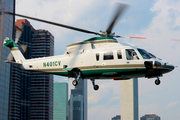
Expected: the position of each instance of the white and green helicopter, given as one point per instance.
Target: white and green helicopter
(96, 58)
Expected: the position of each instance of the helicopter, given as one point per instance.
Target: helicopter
(95, 58)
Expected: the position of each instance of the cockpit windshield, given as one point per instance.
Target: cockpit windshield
(145, 54)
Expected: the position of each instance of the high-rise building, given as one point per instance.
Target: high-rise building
(60, 101)
(117, 117)
(76, 107)
(150, 117)
(31, 93)
(79, 92)
(129, 99)
(6, 30)
(41, 85)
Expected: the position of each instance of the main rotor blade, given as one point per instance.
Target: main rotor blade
(120, 8)
(53, 23)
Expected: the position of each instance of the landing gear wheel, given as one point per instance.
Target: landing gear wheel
(96, 87)
(75, 82)
(157, 82)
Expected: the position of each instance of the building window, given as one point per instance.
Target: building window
(108, 56)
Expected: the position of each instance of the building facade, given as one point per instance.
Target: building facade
(150, 117)
(6, 30)
(81, 92)
(60, 101)
(31, 93)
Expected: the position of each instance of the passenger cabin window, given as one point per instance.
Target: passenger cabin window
(131, 54)
(108, 56)
(119, 55)
(97, 56)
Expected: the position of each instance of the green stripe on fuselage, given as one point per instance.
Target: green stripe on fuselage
(99, 72)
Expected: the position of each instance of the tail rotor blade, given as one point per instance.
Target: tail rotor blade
(5, 40)
(10, 57)
(24, 48)
(18, 35)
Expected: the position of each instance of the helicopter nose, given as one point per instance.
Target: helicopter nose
(169, 67)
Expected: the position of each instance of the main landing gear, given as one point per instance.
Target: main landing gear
(96, 87)
(78, 77)
(157, 81)
(75, 82)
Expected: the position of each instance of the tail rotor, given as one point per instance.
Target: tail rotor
(22, 48)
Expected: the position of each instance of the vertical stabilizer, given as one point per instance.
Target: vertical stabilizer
(18, 56)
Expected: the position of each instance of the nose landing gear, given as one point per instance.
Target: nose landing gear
(96, 87)
(157, 81)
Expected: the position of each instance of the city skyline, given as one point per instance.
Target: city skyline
(154, 19)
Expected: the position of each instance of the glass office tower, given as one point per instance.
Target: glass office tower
(60, 101)
(81, 92)
(76, 107)
(31, 93)
(41, 85)
(6, 30)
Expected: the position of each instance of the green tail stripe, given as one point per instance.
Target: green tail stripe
(10, 43)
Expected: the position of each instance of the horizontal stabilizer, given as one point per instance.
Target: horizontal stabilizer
(14, 63)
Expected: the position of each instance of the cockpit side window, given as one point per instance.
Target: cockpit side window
(97, 56)
(108, 56)
(119, 54)
(131, 54)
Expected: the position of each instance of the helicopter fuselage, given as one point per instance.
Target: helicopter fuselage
(101, 58)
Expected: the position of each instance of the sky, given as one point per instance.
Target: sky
(158, 20)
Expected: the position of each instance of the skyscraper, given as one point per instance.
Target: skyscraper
(79, 94)
(60, 101)
(150, 117)
(76, 107)
(41, 85)
(6, 30)
(31, 95)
